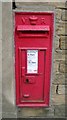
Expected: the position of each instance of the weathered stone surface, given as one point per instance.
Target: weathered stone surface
(60, 110)
(61, 89)
(34, 6)
(63, 42)
(8, 93)
(59, 79)
(59, 54)
(8, 115)
(58, 99)
(53, 4)
(8, 109)
(0, 110)
(63, 66)
(61, 28)
(58, 4)
(0, 75)
(35, 112)
(56, 66)
(56, 42)
(64, 15)
(0, 116)
(58, 14)
(0, 60)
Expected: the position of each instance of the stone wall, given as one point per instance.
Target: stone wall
(58, 82)
(8, 92)
(0, 60)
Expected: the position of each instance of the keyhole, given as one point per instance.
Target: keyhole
(27, 81)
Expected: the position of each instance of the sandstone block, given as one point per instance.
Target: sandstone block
(55, 4)
(58, 99)
(56, 67)
(63, 42)
(60, 111)
(58, 14)
(35, 112)
(61, 28)
(64, 15)
(59, 55)
(56, 42)
(59, 79)
(63, 66)
(61, 89)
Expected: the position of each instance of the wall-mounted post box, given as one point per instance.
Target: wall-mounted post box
(33, 56)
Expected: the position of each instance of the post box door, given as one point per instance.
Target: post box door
(32, 71)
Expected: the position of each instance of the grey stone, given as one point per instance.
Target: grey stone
(38, 2)
(61, 89)
(59, 55)
(58, 14)
(61, 28)
(8, 96)
(0, 60)
(56, 66)
(35, 112)
(63, 42)
(64, 15)
(8, 115)
(60, 111)
(59, 79)
(34, 6)
(0, 116)
(63, 67)
(56, 42)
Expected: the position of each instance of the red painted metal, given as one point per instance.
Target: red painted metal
(32, 28)
(33, 37)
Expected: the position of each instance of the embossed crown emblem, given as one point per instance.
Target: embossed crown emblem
(33, 20)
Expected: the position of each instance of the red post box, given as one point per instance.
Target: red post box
(33, 56)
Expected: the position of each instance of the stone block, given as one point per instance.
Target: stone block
(58, 4)
(61, 28)
(60, 111)
(8, 115)
(0, 116)
(56, 42)
(0, 107)
(8, 93)
(35, 112)
(59, 79)
(63, 42)
(31, 5)
(64, 15)
(0, 71)
(61, 89)
(0, 60)
(58, 14)
(58, 99)
(56, 67)
(37, 2)
(59, 54)
(63, 67)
